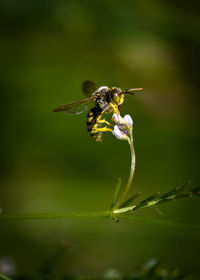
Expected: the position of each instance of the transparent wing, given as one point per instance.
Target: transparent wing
(89, 88)
(75, 108)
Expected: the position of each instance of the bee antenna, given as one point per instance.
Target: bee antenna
(129, 91)
(123, 92)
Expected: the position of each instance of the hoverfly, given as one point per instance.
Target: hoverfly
(106, 100)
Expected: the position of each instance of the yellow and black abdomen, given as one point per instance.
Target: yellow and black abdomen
(93, 117)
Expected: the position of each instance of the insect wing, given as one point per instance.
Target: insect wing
(89, 88)
(75, 108)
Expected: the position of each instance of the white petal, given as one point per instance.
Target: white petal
(128, 119)
(117, 118)
(118, 133)
(114, 116)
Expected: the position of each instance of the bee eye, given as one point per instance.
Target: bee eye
(116, 97)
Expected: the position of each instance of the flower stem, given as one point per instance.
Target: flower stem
(132, 169)
(104, 214)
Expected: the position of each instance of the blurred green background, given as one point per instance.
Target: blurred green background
(49, 163)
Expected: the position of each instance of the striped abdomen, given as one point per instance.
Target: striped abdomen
(92, 123)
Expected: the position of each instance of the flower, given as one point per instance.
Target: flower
(123, 127)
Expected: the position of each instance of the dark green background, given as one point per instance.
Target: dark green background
(49, 163)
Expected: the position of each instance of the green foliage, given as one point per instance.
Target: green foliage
(116, 194)
(3, 277)
(130, 200)
(150, 270)
(123, 211)
(157, 198)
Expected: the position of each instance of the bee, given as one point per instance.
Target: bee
(107, 100)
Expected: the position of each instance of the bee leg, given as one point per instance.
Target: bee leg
(102, 129)
(99, 120)
(104, 121)
(116, 111)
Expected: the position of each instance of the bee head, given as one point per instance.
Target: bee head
(117, 96)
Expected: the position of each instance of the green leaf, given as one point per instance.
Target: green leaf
(172, 194)
(3, 277)
(116, 194)
(191, 193)
(179, 193)
(130, 200)
(149, 201)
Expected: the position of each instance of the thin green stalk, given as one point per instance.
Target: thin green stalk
(132, 169)
(38, 216)
(100, 214)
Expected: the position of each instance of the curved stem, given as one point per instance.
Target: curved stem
(132, 169)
